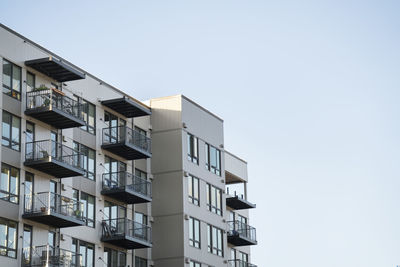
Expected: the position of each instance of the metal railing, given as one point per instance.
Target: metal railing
(240, 263)
(127, 180)
(238, 228)
(48, 99)
(123, 134)
(49, 256)
(46, 202)
(125, 227)
(46, 149)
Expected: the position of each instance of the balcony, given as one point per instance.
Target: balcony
(126, 142)
(53, 209)
(241, 234)
(53, 158)
(238, 202)
(128, 107)
(240, 263)
(55, 69)
(48, 256)
(125, 233)
(54, 108)
(126, 187)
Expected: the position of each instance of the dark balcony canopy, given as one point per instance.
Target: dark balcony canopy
(53, 209)
(126, 187)
(241, 234)
(127, 107)
(237, 203)
(54, 109)
(126, 142)
(53, 158)
(125, 233)
(56, 69)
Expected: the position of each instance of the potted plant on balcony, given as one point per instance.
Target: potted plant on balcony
(78, 213)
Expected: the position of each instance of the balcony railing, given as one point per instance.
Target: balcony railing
(55, 109)
(240, 263)
(48, 256)
(126, 187)
(53, 209)
(126, 233)
(53, 158)
(241, 234)
(126, 142)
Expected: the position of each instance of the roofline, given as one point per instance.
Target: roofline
(189, 100)
(235, 156)
(71, 64)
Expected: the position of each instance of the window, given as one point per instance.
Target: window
(194, 189)
(140, 218)
(215, 238)
(27, 244)
(89, 160)
(114, 258)
(214, 199)
(51, 239)
(112, 165)
(194, 232)
(11, 131)
(140, 262)
(89, 116)
(213, 159)
(194, 264)
(30, 81)
(29, 179)
(113, 211)
(9, 183)
(86, 251)
(141, 174)
(12, 79)
(29, 138)
(140, 131)
(193, 148)
(8, 238)
(87, 208)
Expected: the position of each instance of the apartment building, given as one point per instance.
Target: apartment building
(90, 176)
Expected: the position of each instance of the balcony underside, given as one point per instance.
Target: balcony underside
(238, 240)
(238, 203)
(53, 219)
(55, 117)
(126, 195)
(56, 69)
(127, 151)
(54, 168)
(127, 107)
(126, 242)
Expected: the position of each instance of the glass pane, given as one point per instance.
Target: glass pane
(16, 83)
(6, 125)
(7, 73)
(196, 188)
(30, 81)
(15, 133)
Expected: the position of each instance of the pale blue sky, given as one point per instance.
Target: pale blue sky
(309, 91)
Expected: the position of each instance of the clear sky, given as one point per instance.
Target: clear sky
(309, 91)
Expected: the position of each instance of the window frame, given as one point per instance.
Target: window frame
(10, 87)
(137, 263)
(86, 151)
(191, 190)
(7, 248)
(80, 243)
(215, 244)
(194, 238)
(10, 139)
(209, 150)
(77, 195)
(214, 193)
(193, 148)
(18, 178)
